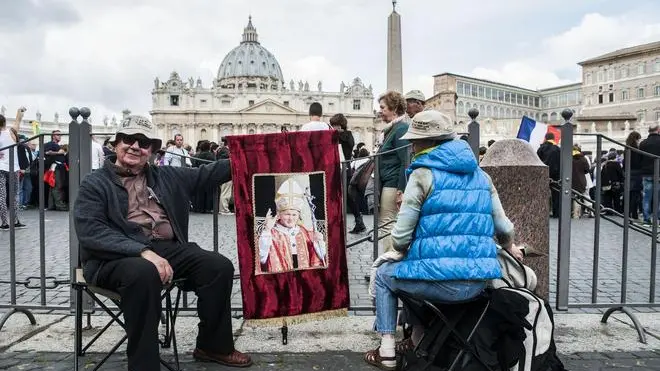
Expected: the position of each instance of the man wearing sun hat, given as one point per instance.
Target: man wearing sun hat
(131, 219)
(416, 102)
(443, 237)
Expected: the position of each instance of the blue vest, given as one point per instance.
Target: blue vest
(454, 235)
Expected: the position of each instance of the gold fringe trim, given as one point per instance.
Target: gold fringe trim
(301, 318)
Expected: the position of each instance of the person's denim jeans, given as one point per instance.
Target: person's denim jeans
(435, 291)
(647, 197)
(25, 191)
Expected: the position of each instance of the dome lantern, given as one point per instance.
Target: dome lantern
(250, 33)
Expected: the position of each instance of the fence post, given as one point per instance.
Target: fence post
(564, 235)
(344, 166)
(79, 165)
(376, 251)
(473, 132)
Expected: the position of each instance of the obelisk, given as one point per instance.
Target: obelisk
(394, 59)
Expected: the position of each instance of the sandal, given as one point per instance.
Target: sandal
(373, 358)
(404, 346)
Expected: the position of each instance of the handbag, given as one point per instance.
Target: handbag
(361, 176)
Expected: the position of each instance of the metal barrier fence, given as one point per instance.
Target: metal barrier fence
(79, 160)
(600, 213)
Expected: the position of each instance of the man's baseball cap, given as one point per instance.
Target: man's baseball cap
(415, 95)
(138, 125)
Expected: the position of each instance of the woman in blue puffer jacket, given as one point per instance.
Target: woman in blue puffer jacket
(443, 242)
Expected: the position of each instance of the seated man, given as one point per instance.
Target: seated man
(132, 223)
(443, 237)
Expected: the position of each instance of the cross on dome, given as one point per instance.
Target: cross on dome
(250, 33)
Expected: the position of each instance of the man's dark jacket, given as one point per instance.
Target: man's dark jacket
(101, 209)
(650, 145)
(550, 154)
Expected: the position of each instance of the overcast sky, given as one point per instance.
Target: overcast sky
(106, 54)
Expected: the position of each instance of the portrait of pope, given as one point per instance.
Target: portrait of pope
(285, 243)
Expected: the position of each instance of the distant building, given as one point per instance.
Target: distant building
(619, 92)
(250, 96)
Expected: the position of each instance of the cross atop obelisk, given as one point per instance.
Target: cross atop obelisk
(394, 55)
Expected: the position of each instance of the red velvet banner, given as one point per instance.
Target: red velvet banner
(291, 250)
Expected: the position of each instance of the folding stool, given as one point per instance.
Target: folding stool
(80, 285)
(442, 339)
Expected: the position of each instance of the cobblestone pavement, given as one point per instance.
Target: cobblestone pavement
(338, 361)
(359, 259)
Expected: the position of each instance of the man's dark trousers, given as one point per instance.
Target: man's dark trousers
(137, 281)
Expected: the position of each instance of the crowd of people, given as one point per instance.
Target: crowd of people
(612, 164)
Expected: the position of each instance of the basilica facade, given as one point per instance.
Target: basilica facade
(250, 96)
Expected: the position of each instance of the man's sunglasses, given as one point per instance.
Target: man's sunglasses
(143, 142)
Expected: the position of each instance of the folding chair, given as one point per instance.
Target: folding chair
(169, 338)
(447, 337)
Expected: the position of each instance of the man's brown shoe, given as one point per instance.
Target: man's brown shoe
(233, 359)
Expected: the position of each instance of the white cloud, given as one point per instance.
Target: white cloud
(521, 73)
(596, 34)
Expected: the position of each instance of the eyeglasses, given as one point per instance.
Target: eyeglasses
(143, 142)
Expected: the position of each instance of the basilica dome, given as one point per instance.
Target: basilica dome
(250, 60)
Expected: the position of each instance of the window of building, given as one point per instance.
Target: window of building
(481, 92)
(489, 93)
(225, 103)
(625, 95)
(286, 103)
(640, 93)
(356, 104)
(459, 88)
(600, 76)
(611, 97)
(174, 100)
(525, 100)
(500, 95)
(600, 98)
(536, 102)
(657, 116)
(656, 66)
(474, 90)
(610, 74)
(461, 108)
(507, 97)
(519, 98)
(553, 116)
(562, 100)
(589, 79)
(656, 90)
(641, 68)
(202, 101)
(624, 72)
(640, 116)
(251, 103)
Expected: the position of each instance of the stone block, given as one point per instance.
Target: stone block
(521, 180)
